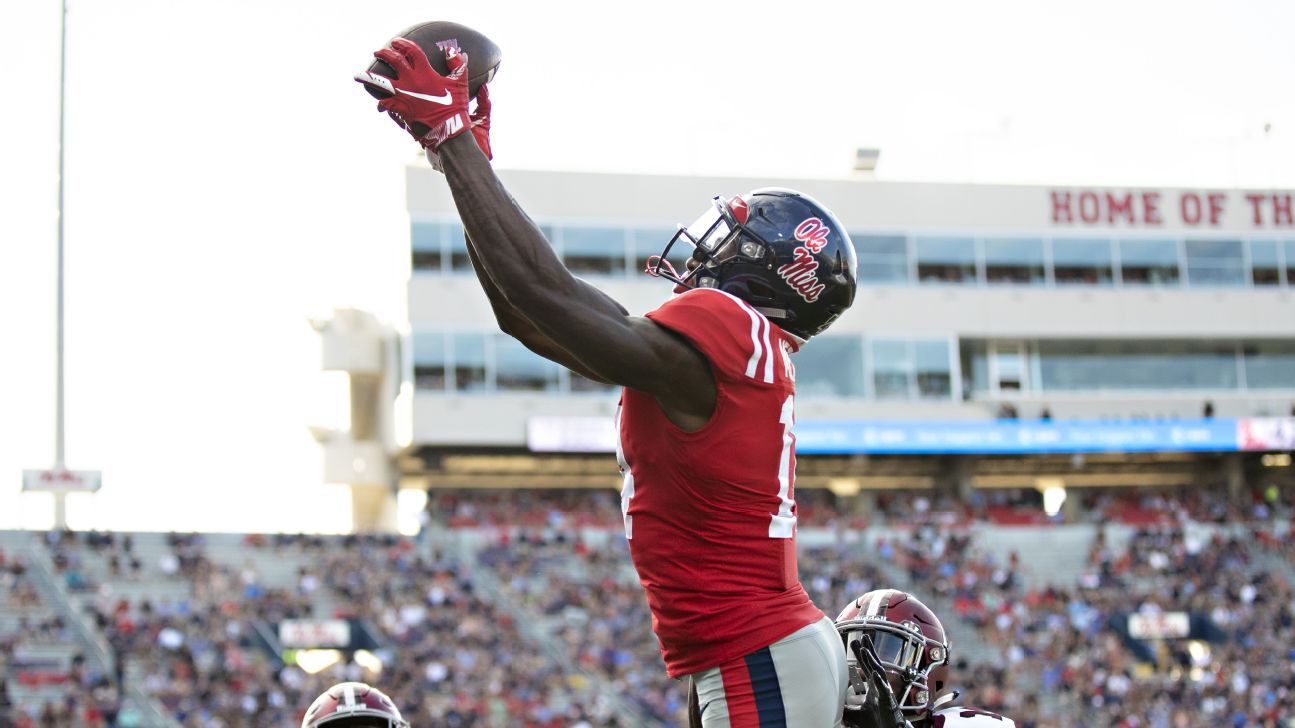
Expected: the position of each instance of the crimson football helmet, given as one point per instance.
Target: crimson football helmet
(778, 250)
(909, 640)
(351, 704)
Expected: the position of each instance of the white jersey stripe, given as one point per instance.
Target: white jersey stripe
(768, 359)
(761, 349)
(756, 350)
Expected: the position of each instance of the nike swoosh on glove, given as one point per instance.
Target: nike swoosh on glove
(479, 124)
(431, 107)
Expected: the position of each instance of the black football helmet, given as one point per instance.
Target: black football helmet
(778, 250)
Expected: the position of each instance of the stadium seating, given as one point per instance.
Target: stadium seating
(523, 609)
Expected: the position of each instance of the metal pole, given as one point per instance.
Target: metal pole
(60, 499)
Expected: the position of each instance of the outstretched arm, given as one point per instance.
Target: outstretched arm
(577, 318)
(593, 330)
(512, 322)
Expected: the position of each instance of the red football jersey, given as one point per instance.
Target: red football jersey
(710, 515)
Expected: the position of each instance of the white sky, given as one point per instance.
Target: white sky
(226, 178)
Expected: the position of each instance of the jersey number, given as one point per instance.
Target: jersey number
(781, 525)
(627, 488)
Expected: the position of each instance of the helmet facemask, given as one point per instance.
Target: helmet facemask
(716, 237)
(779, 251)
(908, 656)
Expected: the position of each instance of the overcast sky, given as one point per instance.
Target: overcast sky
(226, 178)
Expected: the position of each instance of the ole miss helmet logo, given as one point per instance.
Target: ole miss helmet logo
(802, 272)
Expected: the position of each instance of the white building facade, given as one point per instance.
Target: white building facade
(1069, 302)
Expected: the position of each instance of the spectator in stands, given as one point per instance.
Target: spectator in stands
(469, 641)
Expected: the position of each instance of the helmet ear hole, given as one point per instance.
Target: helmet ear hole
(759, 289)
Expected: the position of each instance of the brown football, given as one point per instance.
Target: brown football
(483, 55)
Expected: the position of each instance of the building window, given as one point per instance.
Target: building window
(974, 360)
(429, 361)
(830, 366)
(426, 261)
(1149, 262)
(946, 260)
(469, 362)
(594, 250)
(1215, 263)
(457, 245)
(882, 258)
(1270, 365)
(1288, 253)
(579, 383)
(647, 242)
(934, 373)
(518, 369)
(892, 368)
(1082, 262)
(1014, 260)
(1265, 262)
(1132, 365)
(428, 246)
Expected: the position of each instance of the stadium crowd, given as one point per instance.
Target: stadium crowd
(81, 695)
(586, 598)
(546, 608)
(1064, 650)
(451, 657)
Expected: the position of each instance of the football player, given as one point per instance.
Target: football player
(899, 667)
(351, 705)
(705, 419)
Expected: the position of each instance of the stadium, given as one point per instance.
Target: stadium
(1061, 415)
(1064, 423)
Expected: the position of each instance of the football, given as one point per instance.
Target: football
(433, 38)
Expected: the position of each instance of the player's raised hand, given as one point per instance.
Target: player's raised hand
(879, 708)
(430, 106)
(480, 124)
(480, 119)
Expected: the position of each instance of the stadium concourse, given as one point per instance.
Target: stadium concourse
(520, 608)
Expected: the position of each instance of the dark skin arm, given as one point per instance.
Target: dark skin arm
(588, 326)
(512, 322)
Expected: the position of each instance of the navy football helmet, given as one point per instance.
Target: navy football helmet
(778, 250)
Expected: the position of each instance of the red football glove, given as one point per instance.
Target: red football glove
(480, 126)
(481, 121)
(420, 95)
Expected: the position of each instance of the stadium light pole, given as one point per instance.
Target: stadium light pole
(58, 480)
(60, 498)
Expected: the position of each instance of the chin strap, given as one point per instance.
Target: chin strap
(778, 313)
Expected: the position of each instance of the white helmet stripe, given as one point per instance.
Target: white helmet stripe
(874, 604)
(348, 696)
